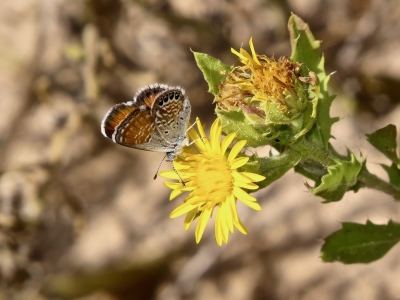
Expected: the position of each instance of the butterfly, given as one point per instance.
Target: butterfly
(156, 120)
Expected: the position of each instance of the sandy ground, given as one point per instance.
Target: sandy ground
(81, 217)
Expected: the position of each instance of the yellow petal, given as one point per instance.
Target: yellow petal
(223, 228)
(236, 149)
(239, 225)
(253, 176)
(226, 236)
(203, 136)
(201, 224)
(189, 218)
(228, 216)
(251, 204)
(239, 177)
(188, 150)
(172, 185)
(253, 52)
(249, 186)
(215, 127)
(247, 57)
(181, 210)
(242, 195)
(217, 229)
(232, 205)
(169, 174)
(174, 194)
(241, 57)
(193, 200)
(179, 164)
(239, 162)
(197, 140)
(215, 135)
(200, 128)
(227, 141)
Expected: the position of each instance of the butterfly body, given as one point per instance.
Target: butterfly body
(156, 120)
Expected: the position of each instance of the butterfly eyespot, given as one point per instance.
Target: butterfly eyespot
(177, 94)
(171, 96)
(160, 102)
(165, 99)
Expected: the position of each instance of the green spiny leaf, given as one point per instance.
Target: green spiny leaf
(311, 170)
(384, 140)
(394, 174)
(214, 71)
(359, 243)
(340, 178)
(306, 49)
(359, 184)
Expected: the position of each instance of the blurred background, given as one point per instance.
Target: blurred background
(82, 218)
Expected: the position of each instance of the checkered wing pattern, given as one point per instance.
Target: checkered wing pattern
(172, 112)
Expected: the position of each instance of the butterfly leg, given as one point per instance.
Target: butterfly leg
(190, 127)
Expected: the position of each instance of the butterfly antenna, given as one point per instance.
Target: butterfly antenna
(159, 166)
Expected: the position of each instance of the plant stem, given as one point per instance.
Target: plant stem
(371, 181)
(309, 151)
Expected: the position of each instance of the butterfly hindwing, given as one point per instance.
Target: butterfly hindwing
(146, 96)
(172, 111)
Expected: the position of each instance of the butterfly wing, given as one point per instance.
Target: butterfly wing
(146, 96)
(172, 113)
(129, 125)
(156, 119)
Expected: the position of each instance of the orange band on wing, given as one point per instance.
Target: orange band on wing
(116, 116)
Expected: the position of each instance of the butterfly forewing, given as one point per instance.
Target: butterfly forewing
(135, 129)
(115, 116)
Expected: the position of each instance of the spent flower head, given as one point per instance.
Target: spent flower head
(214, 182)
(269, 92)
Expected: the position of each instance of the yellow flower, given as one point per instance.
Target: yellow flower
(212, 179)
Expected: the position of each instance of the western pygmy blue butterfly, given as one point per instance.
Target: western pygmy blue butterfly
(156, 120)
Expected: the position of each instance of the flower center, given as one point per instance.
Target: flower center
(213, 180)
